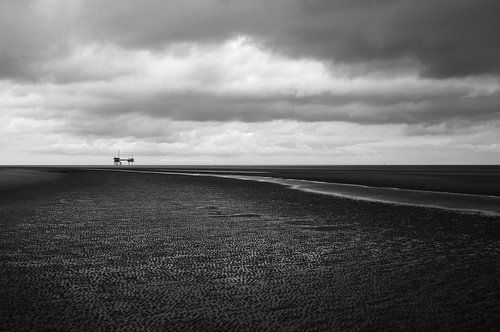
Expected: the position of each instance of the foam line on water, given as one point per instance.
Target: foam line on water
(468, 203)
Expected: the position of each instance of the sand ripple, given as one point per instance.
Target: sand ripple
(186, 253)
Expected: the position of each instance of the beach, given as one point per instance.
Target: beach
(99, 249)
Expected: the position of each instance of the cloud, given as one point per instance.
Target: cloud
(236, 79)
(279, 141)
(450, 38)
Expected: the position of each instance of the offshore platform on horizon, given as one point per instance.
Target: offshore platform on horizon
(118, 161)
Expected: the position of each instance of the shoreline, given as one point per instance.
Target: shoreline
(464, 203)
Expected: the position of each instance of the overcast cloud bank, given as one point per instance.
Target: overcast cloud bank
(250, 81)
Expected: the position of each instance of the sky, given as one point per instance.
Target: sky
(250, 82)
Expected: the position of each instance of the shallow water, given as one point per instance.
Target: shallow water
(486, 204)
(472, 179)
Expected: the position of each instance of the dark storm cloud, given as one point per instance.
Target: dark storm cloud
(450, 38)
(363, 110)
(30, 38)
(141, 117)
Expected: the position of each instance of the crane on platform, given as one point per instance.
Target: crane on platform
(118, 161)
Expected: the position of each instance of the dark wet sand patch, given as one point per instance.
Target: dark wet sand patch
(12, 178)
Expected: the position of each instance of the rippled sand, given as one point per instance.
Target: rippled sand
(142, 251)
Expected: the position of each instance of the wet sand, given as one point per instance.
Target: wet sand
(475, 180)
(16, 177)
(146, 251)
(466, 203)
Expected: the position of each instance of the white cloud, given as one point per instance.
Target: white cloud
(97, 97)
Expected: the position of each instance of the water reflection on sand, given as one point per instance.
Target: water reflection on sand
(445, 200)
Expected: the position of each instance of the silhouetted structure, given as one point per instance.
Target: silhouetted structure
(118, 161)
